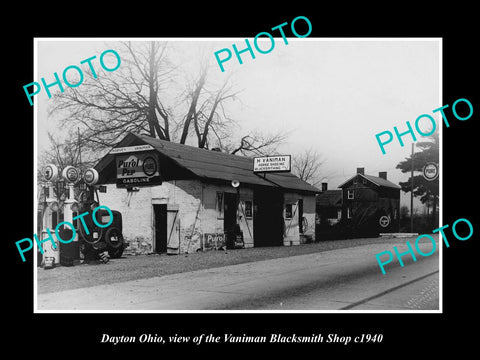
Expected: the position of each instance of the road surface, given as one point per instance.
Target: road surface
(344, 279)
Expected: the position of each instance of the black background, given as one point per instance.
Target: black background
(65, 335)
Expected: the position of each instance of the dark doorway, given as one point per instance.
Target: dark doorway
(160, 216)
(229, 212)
(300, 216)
(268, 223)
(229, 217)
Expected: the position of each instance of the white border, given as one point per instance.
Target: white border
(307, 39)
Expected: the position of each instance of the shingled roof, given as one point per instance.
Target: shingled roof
(330, 198)
(374, 179)
(208, 164)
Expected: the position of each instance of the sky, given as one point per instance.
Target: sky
(330, 95)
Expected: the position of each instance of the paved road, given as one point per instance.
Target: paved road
(343, 279)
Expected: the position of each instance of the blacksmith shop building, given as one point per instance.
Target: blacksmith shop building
(176, 198)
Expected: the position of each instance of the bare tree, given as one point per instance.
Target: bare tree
(307, 166)
(71, 151)
(258, 144)
(139, 97)
(65, 152)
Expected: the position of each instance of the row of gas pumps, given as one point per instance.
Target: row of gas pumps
(82, 243)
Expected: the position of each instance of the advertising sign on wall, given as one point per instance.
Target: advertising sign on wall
(138, 169)
(279, 163)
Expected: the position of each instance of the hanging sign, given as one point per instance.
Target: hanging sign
(138, 169)
(278, 163)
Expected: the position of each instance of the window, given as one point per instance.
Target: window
(288, 211)
(350, 194)
(219, 204)
(349, 213)
(248, 209)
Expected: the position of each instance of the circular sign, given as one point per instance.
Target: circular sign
(50, 172)
(384, 221)
(71, 174)
(430, 171)
(149, 166)
(90, 176)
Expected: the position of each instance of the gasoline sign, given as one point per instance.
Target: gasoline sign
(384, 221)
(90, 176)
(138, 169)
(50, 172)
(430, 171)
(71, 174)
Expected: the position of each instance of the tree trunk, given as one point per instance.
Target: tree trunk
(434, 211)
(193, 106)
(153, 124)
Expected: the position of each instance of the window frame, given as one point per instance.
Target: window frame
(349, 212)
(352, 192)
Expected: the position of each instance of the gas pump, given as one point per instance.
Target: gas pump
(99, 241)
(71, 175)
(67, 253)
(98, 238)
(51, 255)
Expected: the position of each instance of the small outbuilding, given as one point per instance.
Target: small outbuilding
(177, 198)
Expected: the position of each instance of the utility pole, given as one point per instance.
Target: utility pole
(411, 193)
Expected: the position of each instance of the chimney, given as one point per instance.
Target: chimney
(361, 171)
(383, 175)
(324, 187)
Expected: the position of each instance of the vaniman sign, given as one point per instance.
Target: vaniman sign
(277, 163)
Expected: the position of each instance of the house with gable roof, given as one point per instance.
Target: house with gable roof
(370, 204)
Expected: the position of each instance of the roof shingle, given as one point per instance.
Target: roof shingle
(216, 165)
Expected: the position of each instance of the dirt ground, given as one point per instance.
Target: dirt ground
(146, 266)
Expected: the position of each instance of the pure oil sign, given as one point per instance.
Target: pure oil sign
(138, 169)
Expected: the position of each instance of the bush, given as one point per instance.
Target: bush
(422, 224)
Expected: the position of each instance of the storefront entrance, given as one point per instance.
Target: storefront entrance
(268, 225)
(160, 218)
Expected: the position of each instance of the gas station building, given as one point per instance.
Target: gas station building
(177, 198)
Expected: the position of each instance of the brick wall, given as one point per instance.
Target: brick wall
(197, 214)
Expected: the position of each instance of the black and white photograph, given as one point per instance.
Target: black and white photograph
(259, 185)
(222, 180)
